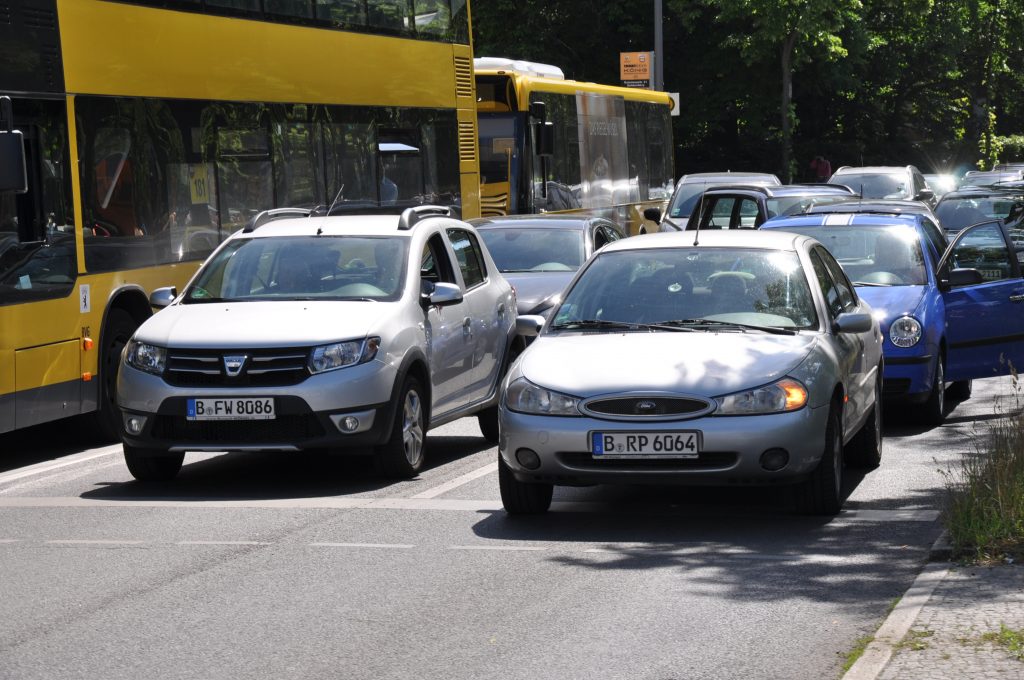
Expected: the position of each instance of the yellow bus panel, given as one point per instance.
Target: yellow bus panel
(47, 365)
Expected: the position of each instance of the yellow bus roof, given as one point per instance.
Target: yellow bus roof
(526, 84)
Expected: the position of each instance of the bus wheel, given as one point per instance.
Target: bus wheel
(152, 465)
(118, 330)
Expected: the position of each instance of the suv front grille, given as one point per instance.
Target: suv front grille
(262, 367)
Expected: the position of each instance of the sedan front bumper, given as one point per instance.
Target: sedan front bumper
(730, 453)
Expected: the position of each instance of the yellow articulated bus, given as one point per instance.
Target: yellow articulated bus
(152, 129)
(548, 144)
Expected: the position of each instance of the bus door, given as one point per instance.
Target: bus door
(40, 334)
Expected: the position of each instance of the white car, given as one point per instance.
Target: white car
(355, 333)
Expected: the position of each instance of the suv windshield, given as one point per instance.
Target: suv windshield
(958, 213)
(743, 287)
(875, 185)
(524, 250)
(303, 268)
(886, 256)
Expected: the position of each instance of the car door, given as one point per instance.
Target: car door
(841, 298)
(984, 321)
(449, 349)
(486, 313)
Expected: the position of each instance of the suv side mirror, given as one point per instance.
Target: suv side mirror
(652, 214)
(443, 294)
(162, 297)
(529, 325)
(925, 195)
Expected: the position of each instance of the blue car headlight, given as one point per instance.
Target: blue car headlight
(342, 354)
(905, 331)
(145, 357)
(525, 397)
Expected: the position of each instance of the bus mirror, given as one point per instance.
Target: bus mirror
(544, 139)
(538, 111)
(13, 175)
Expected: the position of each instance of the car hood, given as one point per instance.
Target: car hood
(699, 363)
(892, 302)
(286, 323)
(533, 288)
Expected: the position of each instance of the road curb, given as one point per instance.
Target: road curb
(877, 654)
(942, 549)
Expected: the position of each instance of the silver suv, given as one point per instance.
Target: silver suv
(357, 333)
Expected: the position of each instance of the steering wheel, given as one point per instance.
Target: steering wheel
(100, 230)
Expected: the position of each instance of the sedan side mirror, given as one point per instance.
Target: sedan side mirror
(162, 297)
(852, 323)
(652, 214)
(925, 195)
(443, 294)
(965, 277)
(529, 325)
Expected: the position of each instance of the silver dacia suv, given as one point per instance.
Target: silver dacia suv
(355, 333)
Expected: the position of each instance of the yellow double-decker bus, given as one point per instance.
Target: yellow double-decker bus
(151, 129)
(548, 144)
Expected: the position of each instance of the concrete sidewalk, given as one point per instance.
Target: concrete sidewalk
(942, 627)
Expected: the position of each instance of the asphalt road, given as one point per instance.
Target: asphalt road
(295, 566)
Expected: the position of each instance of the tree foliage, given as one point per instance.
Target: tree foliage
(936, 83)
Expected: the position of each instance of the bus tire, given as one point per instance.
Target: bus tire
(118, 330)
(152, 465)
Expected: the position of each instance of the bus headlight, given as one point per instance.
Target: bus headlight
(145, 357)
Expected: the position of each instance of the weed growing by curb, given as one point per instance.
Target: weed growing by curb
(1009, 639)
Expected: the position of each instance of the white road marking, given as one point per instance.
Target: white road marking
(519, 548)
(65, 461)
(9, 540)
(75, 541)
(64, 477)
(403, 546)
(449, 504)
(458, 481)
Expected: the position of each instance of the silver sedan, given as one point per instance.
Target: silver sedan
(736, 358)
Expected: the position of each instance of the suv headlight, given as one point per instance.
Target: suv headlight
(525, 397)
(785, 395)
(905, 331)
(145, 357)
(341, 354)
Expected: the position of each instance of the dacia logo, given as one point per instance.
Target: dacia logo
(233, 364)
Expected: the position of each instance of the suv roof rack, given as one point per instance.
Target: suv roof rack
(262, 218)
(410, 216)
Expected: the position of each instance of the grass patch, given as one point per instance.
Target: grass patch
(858, 651)
(915, 640)
(1009, 639)
(984, 511)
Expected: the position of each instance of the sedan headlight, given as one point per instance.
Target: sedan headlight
(145, 357)
(525, 397)
(905, 331)
(342, 354)
(785, 395)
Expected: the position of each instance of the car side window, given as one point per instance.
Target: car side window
(469, 257)
(748, 215)
(717, 213)
(828, 286)
(435, 266)
(985, 249)
(847, 293)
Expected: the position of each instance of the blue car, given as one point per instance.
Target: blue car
(948, 313)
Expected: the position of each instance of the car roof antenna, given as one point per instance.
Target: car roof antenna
(337, 197)
(700, 217)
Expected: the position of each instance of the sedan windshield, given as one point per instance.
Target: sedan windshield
(958, 213)
(533, 250)
(875, 185)
(710, 289)
(303, 268)
(880, 256)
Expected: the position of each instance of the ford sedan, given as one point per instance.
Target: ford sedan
(746, 357)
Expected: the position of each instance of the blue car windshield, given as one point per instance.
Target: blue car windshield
(873, 255)
(752, 286)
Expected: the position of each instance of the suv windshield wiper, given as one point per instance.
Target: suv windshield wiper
(872, 283)
(697, 323)
(590, 324)
(204, 300)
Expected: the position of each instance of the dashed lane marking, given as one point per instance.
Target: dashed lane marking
(519, 548)
(223, 543)
(458, 481)
(400, 546)
(79, 541)
(66, 461)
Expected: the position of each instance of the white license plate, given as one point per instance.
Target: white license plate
(247, 408)
(645, 444)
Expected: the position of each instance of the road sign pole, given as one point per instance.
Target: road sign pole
(659, 49)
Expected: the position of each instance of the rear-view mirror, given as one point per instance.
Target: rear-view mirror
(529, 325)
(852, 323)
(652, 214)
(162, 297)
(444, 294)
